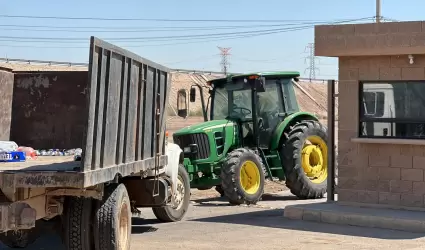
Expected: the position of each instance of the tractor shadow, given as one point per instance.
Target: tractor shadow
(273, 218)
(222, 201)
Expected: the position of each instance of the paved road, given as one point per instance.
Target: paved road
(211, 225)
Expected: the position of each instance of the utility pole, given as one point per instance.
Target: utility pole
(378, 11)
(224, 52)
(312, 58)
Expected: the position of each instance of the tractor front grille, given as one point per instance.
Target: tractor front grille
(199, 139)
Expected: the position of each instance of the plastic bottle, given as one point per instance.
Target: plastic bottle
(29, 152)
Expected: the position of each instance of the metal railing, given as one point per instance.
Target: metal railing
(190, 71)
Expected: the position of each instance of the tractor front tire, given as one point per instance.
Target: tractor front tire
(304, 179)
(180, 201)
(242, 177)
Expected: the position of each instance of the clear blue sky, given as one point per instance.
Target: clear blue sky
(284, 51)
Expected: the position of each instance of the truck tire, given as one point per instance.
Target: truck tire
(242, 177)
(19, 238)
(77, 223)
(305, 163)
(180, 201)
(112, 229)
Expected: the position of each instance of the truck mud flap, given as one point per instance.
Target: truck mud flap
(148, 192)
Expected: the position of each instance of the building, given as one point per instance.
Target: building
(381, 136)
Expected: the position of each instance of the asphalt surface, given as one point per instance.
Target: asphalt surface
(213, 224)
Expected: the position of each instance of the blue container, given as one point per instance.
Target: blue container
(13, 156)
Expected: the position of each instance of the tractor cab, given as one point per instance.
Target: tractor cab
(258, 102)
(266, 98)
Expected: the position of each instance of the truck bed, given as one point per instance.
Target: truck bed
(124, 135)
(43, 163)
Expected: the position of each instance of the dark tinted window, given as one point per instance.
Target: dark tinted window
(392, 109)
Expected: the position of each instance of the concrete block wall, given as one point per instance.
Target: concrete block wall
(377, 173)
(370, 39)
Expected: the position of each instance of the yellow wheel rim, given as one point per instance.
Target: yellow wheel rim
(314, 159)
(250, 177)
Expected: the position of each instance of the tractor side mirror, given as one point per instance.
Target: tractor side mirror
(182, 103)
(192, 94)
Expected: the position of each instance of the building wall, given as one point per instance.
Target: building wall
(49, 109)
(367, 39)
(377, 173)
(6, 93)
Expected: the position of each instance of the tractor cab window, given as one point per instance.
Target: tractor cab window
(241, 106)
(269, 106)
(220, 104)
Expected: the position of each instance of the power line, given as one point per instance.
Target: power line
(181, 37)
(204, 37)
(224, 52)
(153, 19)
(124, 29)
(312, 59)
(157, 37)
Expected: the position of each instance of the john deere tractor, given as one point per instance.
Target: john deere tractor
(255, 131)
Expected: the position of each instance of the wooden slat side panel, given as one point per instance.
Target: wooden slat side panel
(147, 140)
(123, 89)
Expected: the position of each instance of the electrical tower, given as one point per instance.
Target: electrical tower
(312, 61)
(224, 52)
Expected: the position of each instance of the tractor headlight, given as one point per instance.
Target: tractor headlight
(191, 150)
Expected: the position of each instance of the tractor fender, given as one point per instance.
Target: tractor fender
(288, 121)
(173, 152)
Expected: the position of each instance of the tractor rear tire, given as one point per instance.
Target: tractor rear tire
(112, 227)
(176, 211)
(292, 153)
(235, 179)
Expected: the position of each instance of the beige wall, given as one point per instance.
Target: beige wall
(375, 173)
(370, 39)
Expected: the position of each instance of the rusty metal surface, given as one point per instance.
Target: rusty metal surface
(48, 109)
(6, 95)
(52, 178)
(125, 92)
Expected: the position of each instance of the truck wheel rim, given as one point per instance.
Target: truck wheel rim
(250, 177)
(124, 222)
(314, 159)
(179, 194)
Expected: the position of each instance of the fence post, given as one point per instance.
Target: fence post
(331, 141)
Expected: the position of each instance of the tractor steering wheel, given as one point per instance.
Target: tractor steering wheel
(243, 109)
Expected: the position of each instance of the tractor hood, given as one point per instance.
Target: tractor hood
(202, 127)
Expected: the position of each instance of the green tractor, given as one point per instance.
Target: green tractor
(255, 132)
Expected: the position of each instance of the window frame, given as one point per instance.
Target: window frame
(362, 118)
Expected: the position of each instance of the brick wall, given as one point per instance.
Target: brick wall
(377, 173)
